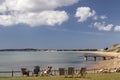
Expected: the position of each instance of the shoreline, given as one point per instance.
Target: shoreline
(106, 64)
(103, 53)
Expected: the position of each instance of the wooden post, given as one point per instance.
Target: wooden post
(55, 72)
(104, 58)
(94, 58)
(85, 58)
(12, 73)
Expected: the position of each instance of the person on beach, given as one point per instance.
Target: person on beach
(47, 71)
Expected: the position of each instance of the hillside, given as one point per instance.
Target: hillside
(113, 48)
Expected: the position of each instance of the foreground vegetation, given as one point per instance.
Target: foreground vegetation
(105, 76)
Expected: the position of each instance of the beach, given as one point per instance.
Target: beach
(107, 64)
(103, 53)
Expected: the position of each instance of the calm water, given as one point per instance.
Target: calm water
(17, 60)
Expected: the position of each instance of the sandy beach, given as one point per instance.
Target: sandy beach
(107, 64)
(103, 53)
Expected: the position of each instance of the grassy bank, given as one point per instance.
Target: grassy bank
(105, 76)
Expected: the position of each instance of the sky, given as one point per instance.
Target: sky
(59, 24)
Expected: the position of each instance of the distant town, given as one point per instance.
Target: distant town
(32, 49)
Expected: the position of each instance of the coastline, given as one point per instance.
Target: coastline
(103, 53)
(107, 64)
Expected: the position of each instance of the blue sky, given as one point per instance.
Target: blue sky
(59, 24)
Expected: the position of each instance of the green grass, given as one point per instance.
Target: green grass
(106, 76)
(43, 78)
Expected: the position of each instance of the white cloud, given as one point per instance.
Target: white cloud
(35, 19)
(117, 28)
(6, 20)
(33, 12)
(103, 17)
(103, 26)
(44, 18)
(95, 17)
(36, 5)
(83, 13)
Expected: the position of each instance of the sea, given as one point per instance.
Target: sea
(14, 61)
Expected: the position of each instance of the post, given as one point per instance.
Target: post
(94, 58)
(104, 58)
(54, 72)
(12, 73)
(85, 58)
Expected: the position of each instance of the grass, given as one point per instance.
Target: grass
(105, 76)
(42, 78)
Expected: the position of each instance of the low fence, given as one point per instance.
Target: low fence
(54, 72)
(9, 73)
